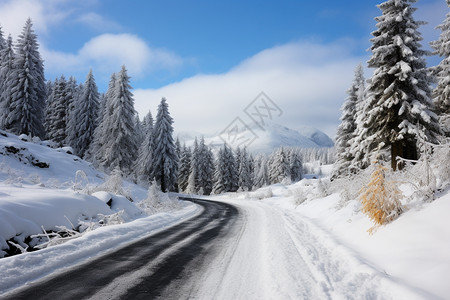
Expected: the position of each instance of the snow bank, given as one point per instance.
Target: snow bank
(21, 269)
(413, 250)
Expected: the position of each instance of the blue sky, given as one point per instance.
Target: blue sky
(211, 58)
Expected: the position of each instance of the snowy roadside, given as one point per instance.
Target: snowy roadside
(31, 266)
(409, 257)
(56, 202)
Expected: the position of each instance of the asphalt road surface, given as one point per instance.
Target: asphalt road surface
(150, 268)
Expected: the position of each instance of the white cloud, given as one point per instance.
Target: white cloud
(106, 53)
(307, 81)
(97, 22)
(44, 13)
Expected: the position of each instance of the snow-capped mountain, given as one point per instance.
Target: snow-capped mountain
(266, 139)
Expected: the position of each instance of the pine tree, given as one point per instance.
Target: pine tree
(119, 148)
(144, 163)
(193, 186)
(184, 169)
(399, 95)
(87, 107)
(56, 112)
(72, 95)
(279, 167)
(2, 41)
(96, 149)
(206, 168)
(295, 166)
(441, 94)
(6, 79)
(244, 172)
(261, 177)
(225, 175)
(165, 159)
(28, 90)
(347, 131)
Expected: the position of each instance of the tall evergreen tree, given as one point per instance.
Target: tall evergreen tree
(399, 95)
(57, 112)
(193, 186)
(184, 169)
(144, 163)
(165, 159)
(96, 149)
(6, 80)
(87, 111)
(279, 166)
(2, 41)
(441, 94)
(244, 172)
(28, 90)
(261, 177)
(295, 165)
(72, 95)
(120, 148)
(226, 173)
(347, 130)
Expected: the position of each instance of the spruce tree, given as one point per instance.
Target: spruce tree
(184, 169)
(279, 166)
(57, 112)
(6, 80)
(144, 163)
(399, 94)
(244, 172)
(165, 159)
(441, 94)
(295, 165)
(87, 111)
(29, 89)
(119, 148)
(347, 131)
(96, 149)
(72, 95)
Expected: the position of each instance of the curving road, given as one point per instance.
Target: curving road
(147, 269)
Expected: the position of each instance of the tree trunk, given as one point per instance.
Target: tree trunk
(405, 149)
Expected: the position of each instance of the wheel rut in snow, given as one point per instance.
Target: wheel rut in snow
(144, 269)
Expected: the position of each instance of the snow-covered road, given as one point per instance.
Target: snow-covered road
(265, 252)
(279, 254)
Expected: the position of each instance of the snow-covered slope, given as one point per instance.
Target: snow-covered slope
(269, 138)
(42, 188)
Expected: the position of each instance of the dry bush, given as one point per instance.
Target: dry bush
(381, 198)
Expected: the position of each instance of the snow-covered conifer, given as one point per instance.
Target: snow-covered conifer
(144, 163)
(6, 79)
(279, 166)
(441, 94)
(225, 174)
(261, 177)
(165, 159)
(399, 94)
(57, 112)
(119, 148)
(347, 132)
(72, 95)
(244, 172)
(96, 149)
(87, 107)
(184, 169)
(28, 90)
(295, 165)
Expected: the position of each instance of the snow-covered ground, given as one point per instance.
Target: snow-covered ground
(45, 189)
(321, 249)
(295, 242)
